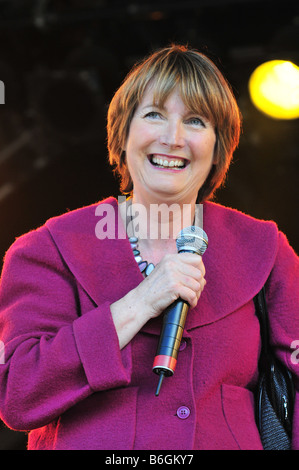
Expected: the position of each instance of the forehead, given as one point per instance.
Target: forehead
(189, 95)
(173, 100)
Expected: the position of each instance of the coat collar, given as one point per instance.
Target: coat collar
(238, 260)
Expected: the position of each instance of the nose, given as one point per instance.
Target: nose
(173, 134)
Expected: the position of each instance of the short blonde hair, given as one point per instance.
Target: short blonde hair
(203, 90)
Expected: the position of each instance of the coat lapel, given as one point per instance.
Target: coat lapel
(238, 260)
(98, 265)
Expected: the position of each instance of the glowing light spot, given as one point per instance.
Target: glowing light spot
(274, 89)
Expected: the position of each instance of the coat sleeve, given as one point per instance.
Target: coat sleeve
(53, 357)
(283, 304)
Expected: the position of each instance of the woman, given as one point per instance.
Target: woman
(79, 320)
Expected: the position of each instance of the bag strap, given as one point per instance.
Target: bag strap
(262, 314)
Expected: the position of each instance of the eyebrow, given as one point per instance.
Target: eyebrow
(153, 105)
(163, 108)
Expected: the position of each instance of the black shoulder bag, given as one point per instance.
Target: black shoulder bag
(274, 398)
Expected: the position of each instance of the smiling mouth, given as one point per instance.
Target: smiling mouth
(161, 161)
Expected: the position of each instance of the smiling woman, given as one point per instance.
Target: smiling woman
(204, 92)
(81, 314)
(169, 151)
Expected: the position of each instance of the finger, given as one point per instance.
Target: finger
(191, 271)
(193, 260)
(189, 295)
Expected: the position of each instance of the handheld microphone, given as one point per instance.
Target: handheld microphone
(191, 240)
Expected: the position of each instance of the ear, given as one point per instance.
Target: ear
(215, 158)
(123, 158)
(124, 143)
(216, 149)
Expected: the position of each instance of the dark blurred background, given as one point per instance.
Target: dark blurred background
(61, 61)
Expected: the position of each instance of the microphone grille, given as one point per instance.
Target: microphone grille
(192, 239)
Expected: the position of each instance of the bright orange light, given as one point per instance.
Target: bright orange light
(274, 89)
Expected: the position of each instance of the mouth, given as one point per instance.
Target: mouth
(168, 162)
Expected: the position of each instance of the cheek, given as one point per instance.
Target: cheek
(204, 150)
(140, 140)
(211, 146)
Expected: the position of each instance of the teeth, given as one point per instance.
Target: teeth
(166, 163)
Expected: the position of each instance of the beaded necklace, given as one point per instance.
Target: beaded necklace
(145, 267)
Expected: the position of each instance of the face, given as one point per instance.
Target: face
(169, 150)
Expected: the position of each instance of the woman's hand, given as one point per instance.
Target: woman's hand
(177, 275)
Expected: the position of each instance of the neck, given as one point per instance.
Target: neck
(155, 223)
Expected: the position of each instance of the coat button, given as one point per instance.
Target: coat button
(183, 412)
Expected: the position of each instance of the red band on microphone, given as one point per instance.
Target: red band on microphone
(165, 362)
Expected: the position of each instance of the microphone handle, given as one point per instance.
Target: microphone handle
(174, 320)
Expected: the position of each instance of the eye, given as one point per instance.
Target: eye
(153, 115)
(196, 121)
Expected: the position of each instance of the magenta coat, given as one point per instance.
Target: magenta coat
(64, 378)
